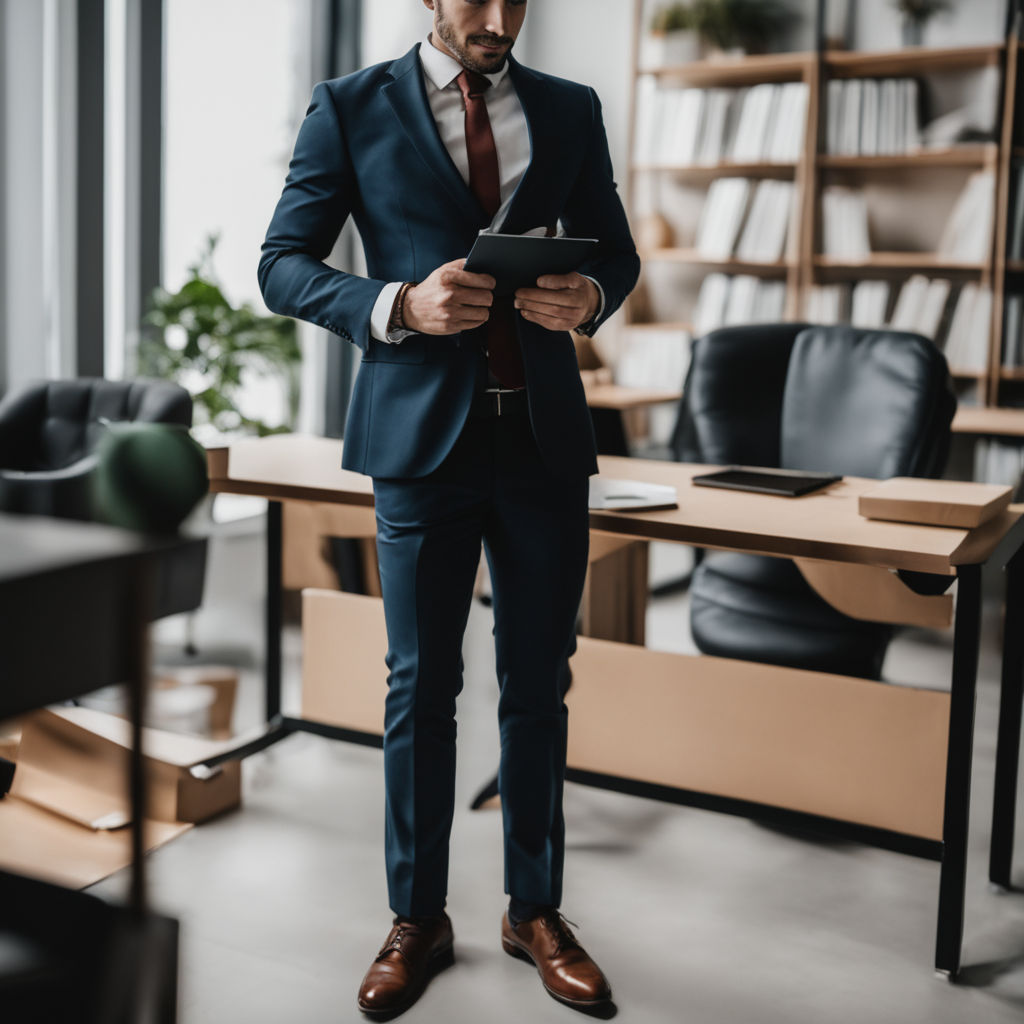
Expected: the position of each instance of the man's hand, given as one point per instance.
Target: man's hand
(560, 302)
(449, 301)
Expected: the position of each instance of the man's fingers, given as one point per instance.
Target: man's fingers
(466, 279)
(472, 297)
(552, 309)
(552, 323)
(573, 281)
(561, 297)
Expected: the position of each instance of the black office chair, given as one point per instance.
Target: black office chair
(50, 440)
(50, 430)
(837, 399)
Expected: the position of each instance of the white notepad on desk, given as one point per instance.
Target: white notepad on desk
(610, 494)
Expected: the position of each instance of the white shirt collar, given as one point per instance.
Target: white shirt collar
(442, 70)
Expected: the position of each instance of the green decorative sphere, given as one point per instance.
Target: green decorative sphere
(149, 476)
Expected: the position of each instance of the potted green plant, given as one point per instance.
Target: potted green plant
(734, 27)
(672, 38)
(916, 14)
(197, 338)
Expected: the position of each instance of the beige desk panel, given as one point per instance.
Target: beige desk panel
(845, 748)
(850, 749)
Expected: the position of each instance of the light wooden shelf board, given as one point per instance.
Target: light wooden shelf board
(955, 156)
(1016, 266)
(908, 261)
(912, 60)
(972, 419)
(960, 374)
(767, 67)
(744, 170)
(1011, 373)
(675, 325)
(731, 266)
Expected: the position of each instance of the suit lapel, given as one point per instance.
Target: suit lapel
(407, 96)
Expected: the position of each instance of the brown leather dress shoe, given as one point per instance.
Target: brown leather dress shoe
(567, 972)
(412, 953)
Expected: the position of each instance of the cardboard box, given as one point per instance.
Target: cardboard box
(66, 817)
(222, 678)
(934, 502)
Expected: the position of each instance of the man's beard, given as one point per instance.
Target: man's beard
(462, 55)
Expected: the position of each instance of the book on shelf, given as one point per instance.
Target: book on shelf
(997, 462)
(657, 358)
(967, 339)
(764, 234)
(721, 217)
(1015, 250)
(967, 235)
(724, 301)
(825, 303)
(872, 117)
(920, 306)
(844, 223)
(1013, 344)
(868, 304)
(687, 126)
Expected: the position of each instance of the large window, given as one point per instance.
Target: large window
(236, 84)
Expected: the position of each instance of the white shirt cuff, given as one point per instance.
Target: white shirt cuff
(600, 298)
(381, 314)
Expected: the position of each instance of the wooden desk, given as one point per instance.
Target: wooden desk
(888, 765)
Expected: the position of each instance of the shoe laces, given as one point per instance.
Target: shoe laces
(403, 931)
(558, 924)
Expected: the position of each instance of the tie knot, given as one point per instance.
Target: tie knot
(472, 84)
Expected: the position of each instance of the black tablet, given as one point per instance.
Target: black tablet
(516, 261)
(790, 483)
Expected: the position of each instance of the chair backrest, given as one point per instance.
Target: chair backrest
(52, 424)
(731, 407)
(874, 403)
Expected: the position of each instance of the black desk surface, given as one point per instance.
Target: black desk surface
(69, 596)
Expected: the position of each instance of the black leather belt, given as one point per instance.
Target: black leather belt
(499, 402)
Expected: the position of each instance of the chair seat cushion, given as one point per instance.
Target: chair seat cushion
(761, 609)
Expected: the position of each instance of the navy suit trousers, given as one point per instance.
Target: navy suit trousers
(493, 489)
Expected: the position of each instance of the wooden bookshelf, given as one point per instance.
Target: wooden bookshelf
(724, 169)
(730, 266)
(737, 71)
(978, 156)
(805, 265)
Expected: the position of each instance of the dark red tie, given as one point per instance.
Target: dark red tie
(503, 357)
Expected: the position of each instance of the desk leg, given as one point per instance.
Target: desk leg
(273, 611)
(1011, 696)
(966, 633)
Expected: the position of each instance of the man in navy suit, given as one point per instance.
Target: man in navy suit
(469, 413)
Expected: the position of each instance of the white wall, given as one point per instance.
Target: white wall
(969, 23)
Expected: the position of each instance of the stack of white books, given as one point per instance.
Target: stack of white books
(826, 303)
(968, 336)
(967, 236)
(920, 306)
(744, 299)
(996, 462)
(683, 127)
(721, 217)
(845, 223)
(872, 117)
(764, 234)
(868, 304)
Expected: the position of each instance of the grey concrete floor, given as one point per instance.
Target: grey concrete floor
(695, 916)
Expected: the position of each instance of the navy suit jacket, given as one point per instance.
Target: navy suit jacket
(369, 148)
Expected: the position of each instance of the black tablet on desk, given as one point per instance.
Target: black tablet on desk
(516, 261)
(790, 483)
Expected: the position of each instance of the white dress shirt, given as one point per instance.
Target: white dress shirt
(511, 139)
